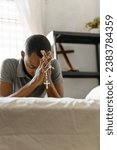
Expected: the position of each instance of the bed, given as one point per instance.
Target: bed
(49, 124)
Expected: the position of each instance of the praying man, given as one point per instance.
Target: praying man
(36, 74)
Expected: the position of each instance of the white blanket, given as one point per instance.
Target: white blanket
(49, 124)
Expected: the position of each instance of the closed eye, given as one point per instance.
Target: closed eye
(31, 66)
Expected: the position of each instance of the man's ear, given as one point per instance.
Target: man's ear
(22, 54)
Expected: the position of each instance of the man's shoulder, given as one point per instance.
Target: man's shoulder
(54, 62)
(10, 63)
(56, 65)
(8, 70)
(56, 72)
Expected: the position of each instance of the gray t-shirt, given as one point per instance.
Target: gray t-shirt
(12, 71)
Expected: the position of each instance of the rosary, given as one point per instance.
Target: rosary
(46, 76)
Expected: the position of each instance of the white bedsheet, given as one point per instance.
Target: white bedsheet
(49, 124)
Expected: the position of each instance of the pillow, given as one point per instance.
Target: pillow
(94, 94)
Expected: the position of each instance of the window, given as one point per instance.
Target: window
(12, 34)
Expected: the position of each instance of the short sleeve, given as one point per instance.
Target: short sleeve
(56, 72)
(7, 71)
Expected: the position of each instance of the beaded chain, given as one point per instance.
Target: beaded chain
(46, 76)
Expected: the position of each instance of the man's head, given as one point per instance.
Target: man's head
(32, 55)
(36, 43)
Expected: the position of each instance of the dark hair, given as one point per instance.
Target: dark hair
(36, 43)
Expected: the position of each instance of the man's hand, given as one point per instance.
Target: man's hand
(43, 69)
(47, 58)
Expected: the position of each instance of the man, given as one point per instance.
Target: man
(35, 74)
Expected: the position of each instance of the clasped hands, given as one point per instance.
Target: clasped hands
(43, 72)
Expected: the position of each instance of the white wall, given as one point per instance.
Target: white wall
(71, 15)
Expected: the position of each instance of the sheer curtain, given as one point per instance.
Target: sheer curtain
(15, 17)
(32, 14)
(12, 34)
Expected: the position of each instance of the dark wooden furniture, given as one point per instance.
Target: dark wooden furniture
(74, 38)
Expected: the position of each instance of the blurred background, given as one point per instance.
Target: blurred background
(22, 18)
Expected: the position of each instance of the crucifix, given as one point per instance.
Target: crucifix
(47, 83)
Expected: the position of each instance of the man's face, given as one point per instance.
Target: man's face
(31, 62)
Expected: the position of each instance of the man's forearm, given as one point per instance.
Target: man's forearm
(25, 91)
(52, 92)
